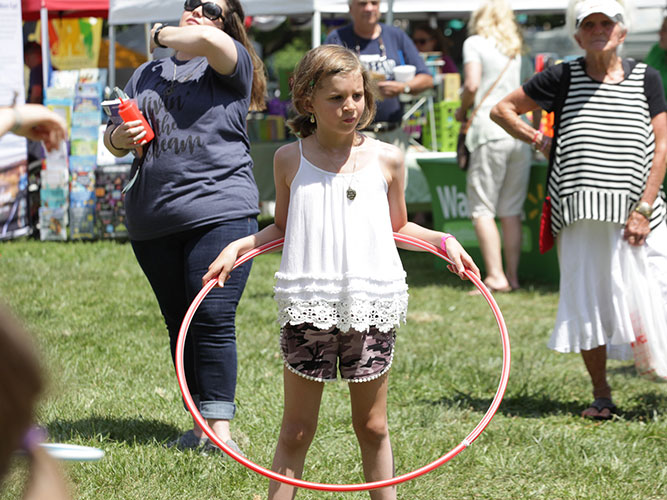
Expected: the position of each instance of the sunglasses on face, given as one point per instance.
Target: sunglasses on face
(421, 41)
(210, 10)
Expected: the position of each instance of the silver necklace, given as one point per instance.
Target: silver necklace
(351, 193)
(170, 90)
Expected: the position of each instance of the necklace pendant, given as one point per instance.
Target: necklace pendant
(351, 194)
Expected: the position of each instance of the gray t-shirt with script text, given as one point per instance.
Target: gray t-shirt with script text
(197, 170)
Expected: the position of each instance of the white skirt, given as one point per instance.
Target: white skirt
(595, 291)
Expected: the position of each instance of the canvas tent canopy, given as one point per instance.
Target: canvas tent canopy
(31, 9)
(148, 11)
(151, 11)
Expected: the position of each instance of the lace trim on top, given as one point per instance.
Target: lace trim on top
(348, 302)
(351, 313)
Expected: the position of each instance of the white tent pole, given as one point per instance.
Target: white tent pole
(112, 56)
(389, 19)
(46, 47)
(317, 28)
(147, 36)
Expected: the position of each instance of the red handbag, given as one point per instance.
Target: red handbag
(546, 241)
(546, 236)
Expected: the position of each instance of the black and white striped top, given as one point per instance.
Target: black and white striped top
(603, 148)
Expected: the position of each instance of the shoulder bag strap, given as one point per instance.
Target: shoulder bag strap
(558, 111)
(464, 129)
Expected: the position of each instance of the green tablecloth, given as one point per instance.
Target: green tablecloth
(447, 186)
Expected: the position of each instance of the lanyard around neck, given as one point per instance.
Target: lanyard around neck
(383, 50)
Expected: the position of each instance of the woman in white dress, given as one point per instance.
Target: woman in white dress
(607, 167)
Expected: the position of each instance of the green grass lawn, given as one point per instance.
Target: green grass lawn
(112, 386)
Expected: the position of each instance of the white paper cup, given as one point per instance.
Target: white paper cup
(405, 72)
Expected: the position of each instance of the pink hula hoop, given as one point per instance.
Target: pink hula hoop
(277, 244)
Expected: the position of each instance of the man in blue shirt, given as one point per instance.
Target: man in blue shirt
(381, 48)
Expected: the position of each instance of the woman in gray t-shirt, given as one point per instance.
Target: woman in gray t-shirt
(193, 189)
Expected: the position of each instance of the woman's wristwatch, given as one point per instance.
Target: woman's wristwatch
(156, 34)
(18, 121)
(644, 208)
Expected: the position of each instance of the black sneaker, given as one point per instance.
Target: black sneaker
(188, 441)
(210, 447)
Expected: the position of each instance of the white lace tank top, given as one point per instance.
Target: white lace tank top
(340, 266)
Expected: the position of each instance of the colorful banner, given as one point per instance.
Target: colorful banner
(75, 43)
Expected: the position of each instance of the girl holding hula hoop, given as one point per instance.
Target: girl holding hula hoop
(341, 288)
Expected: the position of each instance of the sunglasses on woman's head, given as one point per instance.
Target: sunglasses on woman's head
(210, 10)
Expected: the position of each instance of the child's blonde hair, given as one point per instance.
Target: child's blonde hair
(495, 20)
(317, 64)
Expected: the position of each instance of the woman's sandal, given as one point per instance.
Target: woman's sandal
(600, 404)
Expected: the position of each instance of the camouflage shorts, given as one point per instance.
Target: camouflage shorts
(314, 353)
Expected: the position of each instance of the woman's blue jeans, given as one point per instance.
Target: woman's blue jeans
(174, 266)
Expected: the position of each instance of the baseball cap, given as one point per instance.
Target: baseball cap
(610, 8)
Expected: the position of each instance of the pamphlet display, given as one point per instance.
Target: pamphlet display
(81, 183)
(54, 195)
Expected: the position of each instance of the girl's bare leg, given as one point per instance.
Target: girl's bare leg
(369, 419)
(300, 413)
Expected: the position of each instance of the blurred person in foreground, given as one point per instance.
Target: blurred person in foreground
(607, 166)
(497, 178)
(193, 190)
(35, 122)
(657, 56)
(428, 39)
(21, 382)
(381, 48)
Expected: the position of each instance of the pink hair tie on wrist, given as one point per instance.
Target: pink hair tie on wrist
(33, 437)
(534, 140)
(443, 240)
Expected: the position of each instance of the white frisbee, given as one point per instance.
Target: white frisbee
(73, 452)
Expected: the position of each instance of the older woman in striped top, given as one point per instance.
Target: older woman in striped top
(607, 165)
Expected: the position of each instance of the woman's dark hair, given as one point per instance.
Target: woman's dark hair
(233, 17)
(32, 48)
(442, 44)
